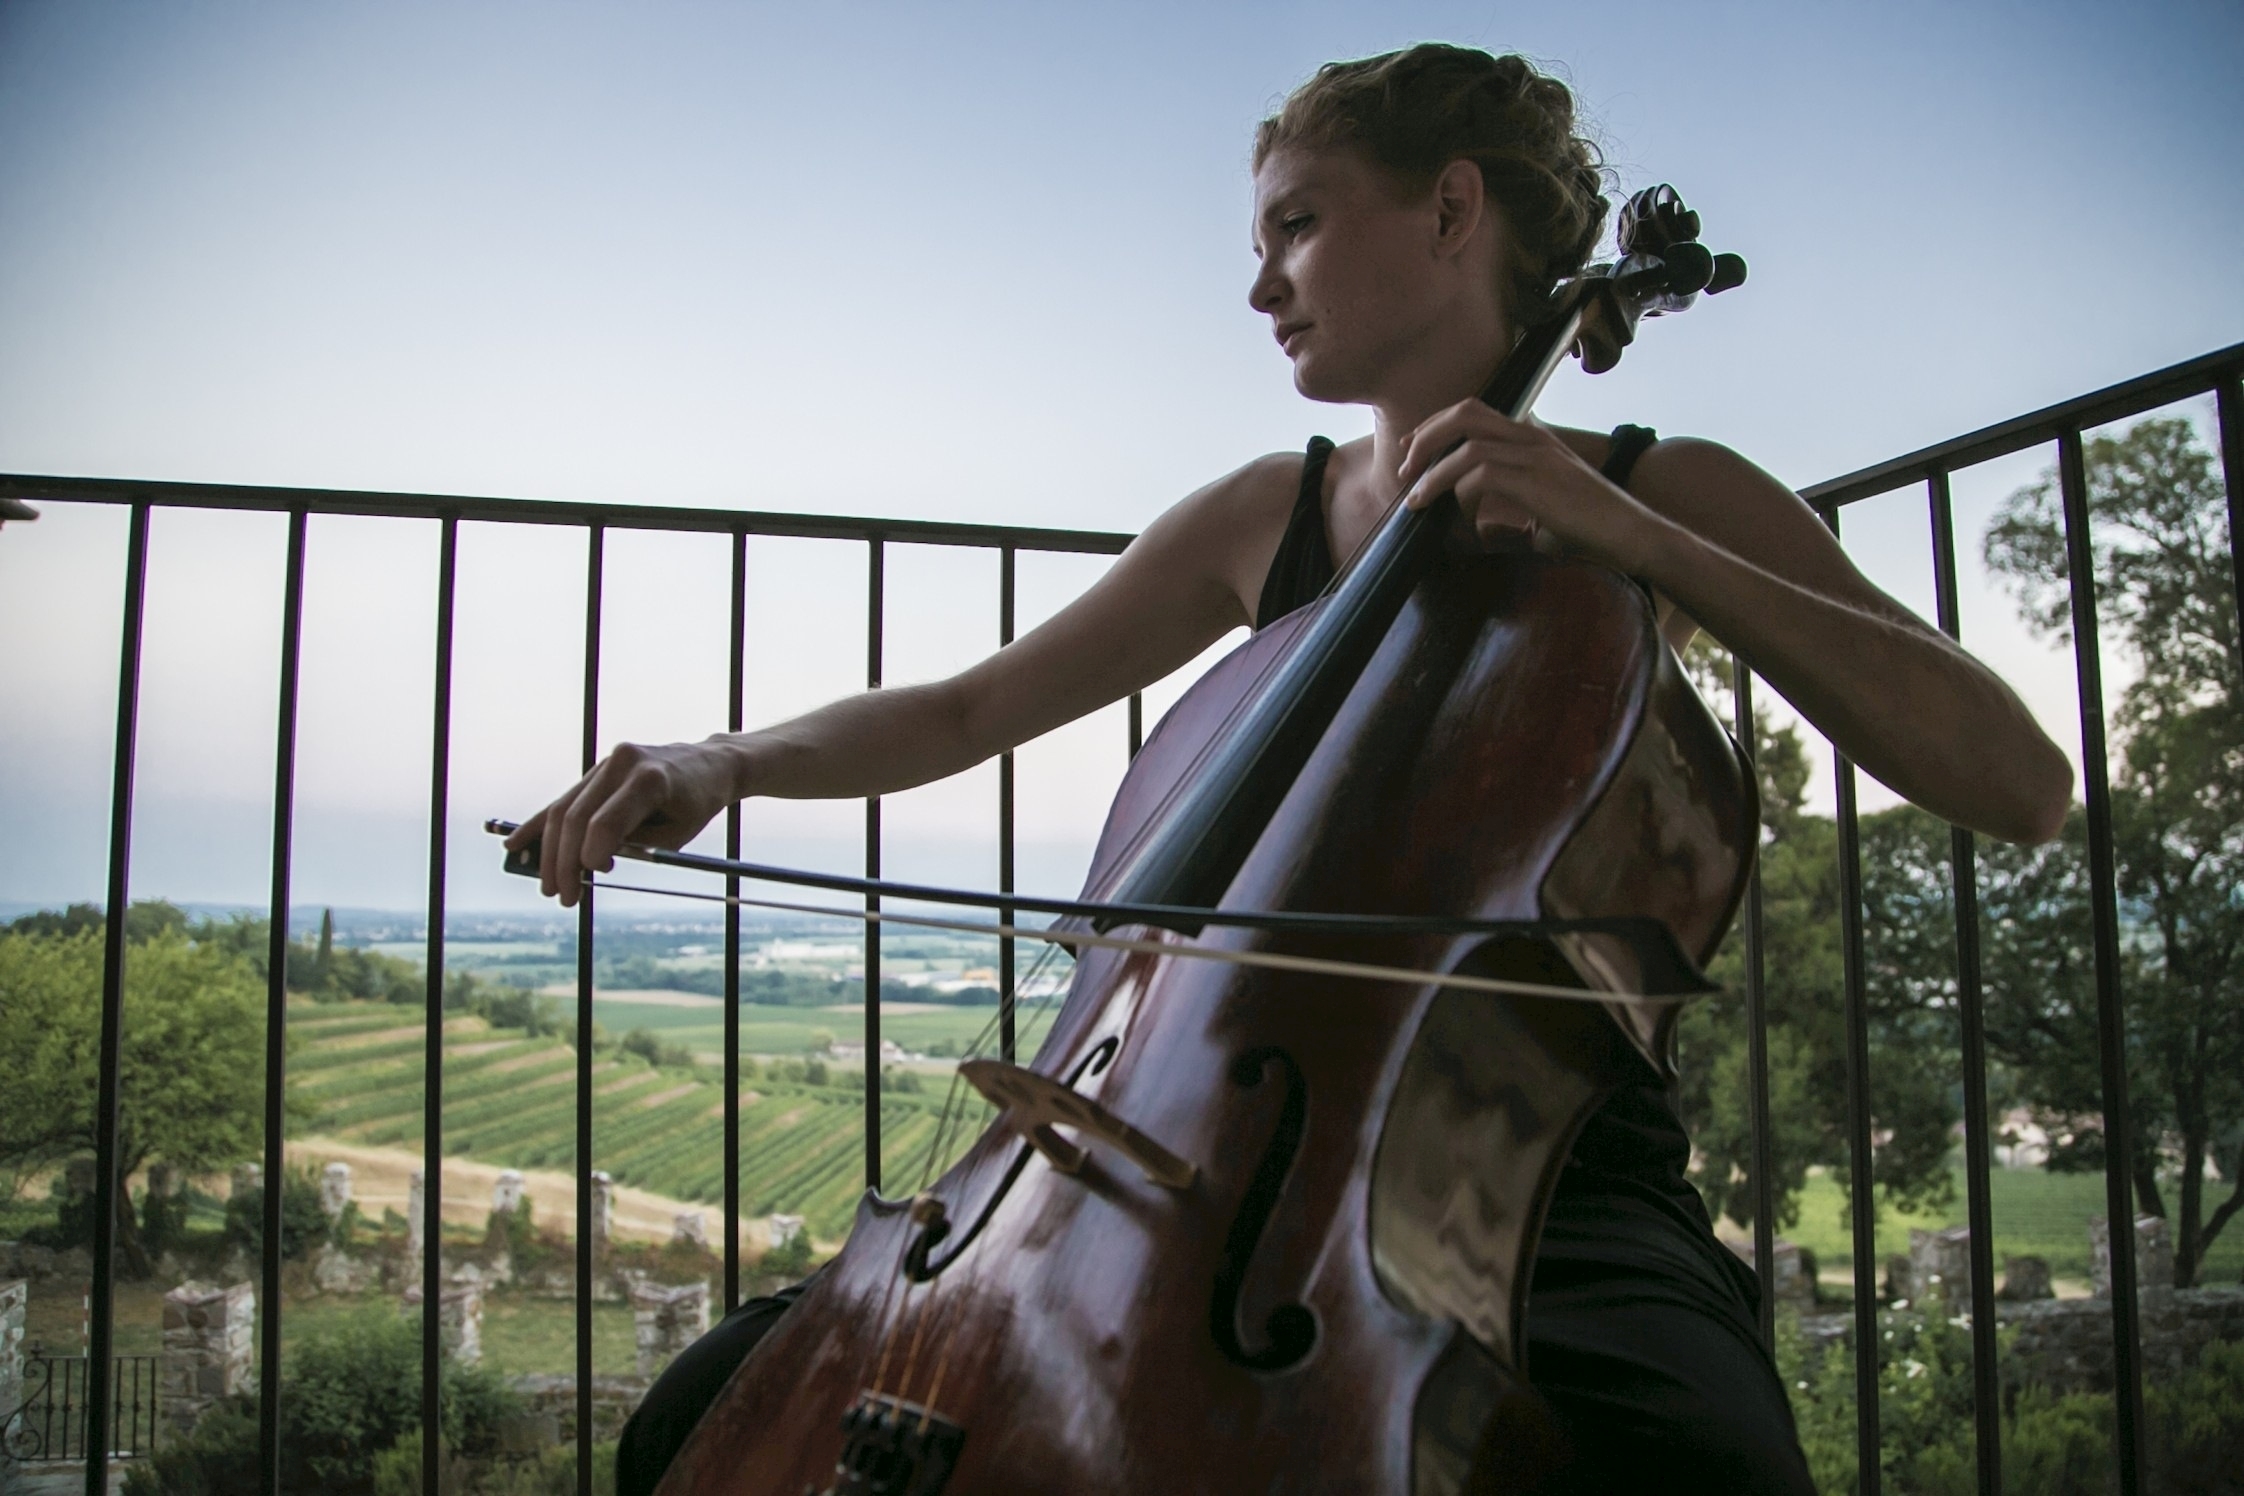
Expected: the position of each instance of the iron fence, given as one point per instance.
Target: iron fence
(1932, 468)
(55, 1421)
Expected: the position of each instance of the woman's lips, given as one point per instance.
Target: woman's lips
(1287, 332)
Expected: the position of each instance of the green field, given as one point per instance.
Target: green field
(699, 1024)
(510, 1099)
(2036, 1213)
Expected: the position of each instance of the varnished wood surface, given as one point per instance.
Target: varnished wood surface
(1072, 1337)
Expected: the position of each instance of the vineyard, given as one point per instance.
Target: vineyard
(510, 1100)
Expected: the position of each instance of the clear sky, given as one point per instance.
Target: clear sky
(961, 261)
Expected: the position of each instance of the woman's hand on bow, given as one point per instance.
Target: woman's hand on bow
(1513, 477)
(655, 796)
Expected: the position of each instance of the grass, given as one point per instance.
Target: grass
(2036, 1213)
(787, 1031)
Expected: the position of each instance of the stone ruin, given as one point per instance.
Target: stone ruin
(15, 1303)
(335, 1190)
(459, 1314)
(507, 1192)
(1793, 1271)
(603, 1210)
(210, 1336)
(2154, 1255)
(690, 1228)
(784, 1229)
(666, 1319)
(2025, 1280)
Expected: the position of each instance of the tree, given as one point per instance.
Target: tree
(2165, 587)
(1912, 1108)
(192, 1085)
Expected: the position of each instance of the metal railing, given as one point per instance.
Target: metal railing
(55, 1422)
(1932, 467)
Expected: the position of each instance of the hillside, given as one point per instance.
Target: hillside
(509, 1100)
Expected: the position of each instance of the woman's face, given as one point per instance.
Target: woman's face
(1371, 289)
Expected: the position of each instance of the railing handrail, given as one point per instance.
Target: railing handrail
(2116, 402)
(282, 500)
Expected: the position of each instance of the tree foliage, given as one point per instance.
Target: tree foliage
(191, 1079)
(2165, 592)
(1912, 1108)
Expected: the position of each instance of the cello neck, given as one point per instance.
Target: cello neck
(1191, 854)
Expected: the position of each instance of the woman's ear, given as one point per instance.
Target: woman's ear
(1460, 202)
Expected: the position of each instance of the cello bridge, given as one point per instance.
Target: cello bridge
(894, 1448)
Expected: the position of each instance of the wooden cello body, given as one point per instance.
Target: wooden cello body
(1308, 1271)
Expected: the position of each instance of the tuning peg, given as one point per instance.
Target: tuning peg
(1728, 274)
(1689, 267)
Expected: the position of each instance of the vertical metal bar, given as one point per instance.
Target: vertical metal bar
(876, 591)
(101, 1320)
(595, 548)
(2229, 400)
(733, 704)
(1007, 1040)
(276, 1015)
(1757, 1033)
(1986, 1386)
(2111, 1021)
(1137, 722)
(432, 1049)
(1860, 1182)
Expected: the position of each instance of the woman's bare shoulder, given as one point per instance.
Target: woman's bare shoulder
(1229, 529)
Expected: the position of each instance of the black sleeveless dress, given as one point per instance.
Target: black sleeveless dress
(1642, 1329)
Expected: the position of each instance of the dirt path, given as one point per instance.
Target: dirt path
(382, 1178)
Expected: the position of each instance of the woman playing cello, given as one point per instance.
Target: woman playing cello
(1409, 210)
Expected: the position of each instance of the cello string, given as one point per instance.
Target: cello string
(888, 1331)
(1269, 960)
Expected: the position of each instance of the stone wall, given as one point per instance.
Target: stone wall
(667, 1319)
(209, 1348)
(2066, 1344)
(15, 1300)
(614, 1399)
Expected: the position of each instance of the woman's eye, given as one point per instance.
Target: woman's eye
(1297, 223)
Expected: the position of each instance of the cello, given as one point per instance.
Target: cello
(1242, 1227)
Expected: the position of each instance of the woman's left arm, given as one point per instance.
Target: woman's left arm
(1747, 560)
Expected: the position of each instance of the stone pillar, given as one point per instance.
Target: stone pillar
(334, 1189)
(666, 1320)
(248, 1177)
(459, 1317)
(2025, 1279)
(1940, 1264)
(603, 1209)
(506, 1194)
(1793, 1275)
(15, 1301)
(416, 1202)
(690, 1228)
(784, 1229)
(2154, 1255)
(209, 1335)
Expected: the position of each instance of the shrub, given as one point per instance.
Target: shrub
(303, 1224)
(2053, 1444)
(350, 1391)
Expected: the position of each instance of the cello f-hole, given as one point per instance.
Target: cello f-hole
(918, 1267)
(1290, 1330)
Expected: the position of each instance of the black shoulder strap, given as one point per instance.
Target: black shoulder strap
(1629, 443)
(1303, 562)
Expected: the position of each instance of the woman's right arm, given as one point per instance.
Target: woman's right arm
(1177, 588)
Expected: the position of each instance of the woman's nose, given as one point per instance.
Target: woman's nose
(1267, 290)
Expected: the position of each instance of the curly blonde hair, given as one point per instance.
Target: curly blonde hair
(1417, 110)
